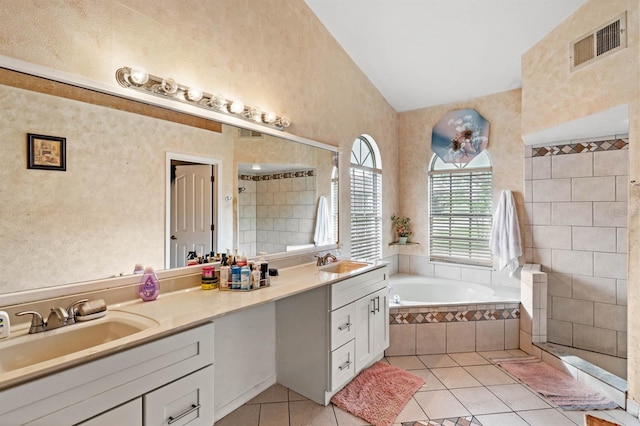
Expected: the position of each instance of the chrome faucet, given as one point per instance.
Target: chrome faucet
(57, 318)
(323, 260)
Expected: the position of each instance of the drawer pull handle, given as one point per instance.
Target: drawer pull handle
(345, 326)
(345, 365)
(373, 305)
(377, 303)
(193, 408)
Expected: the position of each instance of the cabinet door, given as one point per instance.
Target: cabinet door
(364, 322)
(380, 326)
(185, 401)
(129, 414)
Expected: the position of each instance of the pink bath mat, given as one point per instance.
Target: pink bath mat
(555, 385)
(379, 393)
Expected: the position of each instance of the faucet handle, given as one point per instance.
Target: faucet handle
(57, 318)
(37, 322)
(72, 310)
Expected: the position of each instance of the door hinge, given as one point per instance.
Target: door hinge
(213, 227)
(213, 179)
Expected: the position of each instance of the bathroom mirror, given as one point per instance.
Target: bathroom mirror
(107, 211)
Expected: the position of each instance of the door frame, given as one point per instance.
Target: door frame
(215, 212)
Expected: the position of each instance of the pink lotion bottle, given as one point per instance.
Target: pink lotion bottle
(149, 285)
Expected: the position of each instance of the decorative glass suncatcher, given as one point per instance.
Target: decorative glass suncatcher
(460, 136)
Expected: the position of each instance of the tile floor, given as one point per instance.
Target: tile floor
(462, 389)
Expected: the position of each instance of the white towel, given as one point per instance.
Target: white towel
(322, 235)
(505, 233)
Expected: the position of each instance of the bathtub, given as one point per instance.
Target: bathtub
(437, 316)
(417, 290)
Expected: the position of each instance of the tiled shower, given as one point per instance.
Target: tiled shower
(576, 228)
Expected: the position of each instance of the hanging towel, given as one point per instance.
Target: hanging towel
(505, 233)
(322, 235)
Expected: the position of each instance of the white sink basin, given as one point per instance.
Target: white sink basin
(23, 351)
(343, 266)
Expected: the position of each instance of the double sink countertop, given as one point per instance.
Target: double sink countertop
(172, 312)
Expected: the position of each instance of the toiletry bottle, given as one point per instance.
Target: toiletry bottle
(209, 280)
(255, 277)
(245, 278)
(224, 277)
(235, 277)
(149, 285)
(138, 269)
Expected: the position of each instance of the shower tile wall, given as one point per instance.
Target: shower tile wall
(576, 228)
(277, 212)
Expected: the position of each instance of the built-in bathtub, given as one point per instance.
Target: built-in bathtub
(429, 315)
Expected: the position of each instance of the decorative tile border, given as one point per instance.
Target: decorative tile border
(434, 315)
(453, 421)
(577, 148)
(274, 176)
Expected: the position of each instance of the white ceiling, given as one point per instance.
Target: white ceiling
(420, 53)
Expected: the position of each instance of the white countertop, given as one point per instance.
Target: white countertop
(178, 311)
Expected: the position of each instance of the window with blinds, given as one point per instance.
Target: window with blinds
(460, 214)
(366, 202)
(334, 203)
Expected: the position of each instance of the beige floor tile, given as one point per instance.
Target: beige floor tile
(548, 417)
(579, 416)
(295, 396)
(469, 358)
(347, 419)
(308, 413)
(274, 414)
(276, 393)
(517, 352)
(617, 416)
(502, 419)
(436, 361)
(406, 362)
(623, 417)
(518, 397)
(246, 415)
(440, 404)
(489, 375)
(480, 401)
(494, 354)
(431, 381)
(411, 412)
(455, 377)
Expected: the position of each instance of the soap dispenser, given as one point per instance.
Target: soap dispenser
(149, 285)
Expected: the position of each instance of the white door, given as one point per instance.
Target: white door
(191, 212)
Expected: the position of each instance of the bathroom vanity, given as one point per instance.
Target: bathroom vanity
(328, 322)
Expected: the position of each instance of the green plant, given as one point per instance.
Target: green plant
(402, 225)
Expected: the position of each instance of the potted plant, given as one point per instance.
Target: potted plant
(403, 228)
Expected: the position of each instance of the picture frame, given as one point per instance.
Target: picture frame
(46, 152)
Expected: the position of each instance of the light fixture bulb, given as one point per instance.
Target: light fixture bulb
(138, 76)
(256, 167)
(237, 107)
(169, 85)
(194, 94)
(284, 121)
(270, 117)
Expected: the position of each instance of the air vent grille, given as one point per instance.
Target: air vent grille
(599, 42)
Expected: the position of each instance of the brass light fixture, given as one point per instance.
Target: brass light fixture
(140, 80)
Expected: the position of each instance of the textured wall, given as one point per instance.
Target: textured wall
(502, 110)
(274, 54)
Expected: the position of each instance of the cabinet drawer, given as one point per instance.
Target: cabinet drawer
(342, 325)
(342, 365)
(352, 289)
(185, 401)
(129, 414)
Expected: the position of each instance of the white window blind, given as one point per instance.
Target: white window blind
(334, 203)
(460, 216)
(366, 202)
(366, 214)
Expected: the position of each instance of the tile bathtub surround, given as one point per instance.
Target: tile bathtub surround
(462, 389)
(439, 330)
(576, 198)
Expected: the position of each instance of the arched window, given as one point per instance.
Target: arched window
(460, 211)
(366, 200)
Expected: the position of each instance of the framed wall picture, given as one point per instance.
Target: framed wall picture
(46, 152)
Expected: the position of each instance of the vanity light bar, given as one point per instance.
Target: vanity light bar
(140, 80)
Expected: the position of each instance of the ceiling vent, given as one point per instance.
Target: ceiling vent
(599, 42)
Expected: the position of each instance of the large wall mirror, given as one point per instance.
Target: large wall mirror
(109, 209)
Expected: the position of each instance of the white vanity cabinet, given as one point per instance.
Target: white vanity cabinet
(325, 336)
(166, 381)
